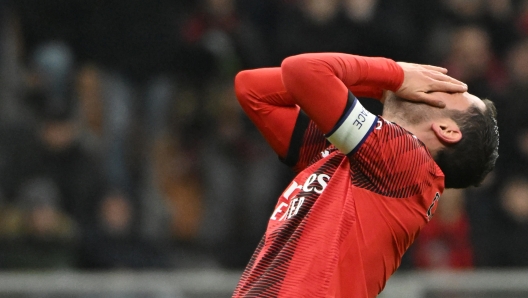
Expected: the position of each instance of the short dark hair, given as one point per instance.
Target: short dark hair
(467, 162)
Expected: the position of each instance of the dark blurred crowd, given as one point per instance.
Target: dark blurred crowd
(122, 144)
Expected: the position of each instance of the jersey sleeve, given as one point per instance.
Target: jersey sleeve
(317, 84)
(289, 131)
(270, 107)
(308, 142)
(320, 83)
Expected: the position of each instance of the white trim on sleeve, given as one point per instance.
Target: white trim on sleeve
(351, 131)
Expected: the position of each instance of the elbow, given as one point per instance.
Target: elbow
(298, 72)
(242, 90)
(291, 67)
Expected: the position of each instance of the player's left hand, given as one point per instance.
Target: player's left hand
(420, 81)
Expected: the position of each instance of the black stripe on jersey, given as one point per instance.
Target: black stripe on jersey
(364, 138)
(351, 103)
(297, 139)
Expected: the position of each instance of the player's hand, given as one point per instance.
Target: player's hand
(421, 80)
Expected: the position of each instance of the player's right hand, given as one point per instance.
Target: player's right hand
(421, 80)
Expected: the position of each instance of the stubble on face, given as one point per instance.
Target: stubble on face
(401, 111)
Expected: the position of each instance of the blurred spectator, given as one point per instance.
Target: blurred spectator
(442, 17)
(480, 206)
(50, 176)
(120, 131)
(59, 151)
(240, 174)
(63, 19)
(135, 38)
(500, 23)
(217, 42)
(175, 181)
(89, 88)
(12, 110)
(471, 59)
(262, 13)
(521, 22)
(50, 73)
(40, 202)
(38, 233)
(512, 118)
(444, 242)
(216, 28)
(61, 156)
(178, 181)
(127, 51)
(381, 28)
(313, 26)
(507, 229)
(113, 241)
(464, 10)
(231, 38)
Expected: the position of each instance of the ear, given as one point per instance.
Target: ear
(447, 132)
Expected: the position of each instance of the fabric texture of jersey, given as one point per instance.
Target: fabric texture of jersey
(341, 227)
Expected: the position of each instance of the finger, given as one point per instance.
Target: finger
(452, 80)
(435, 68)
(432, 100)
(446, 78)
(447, 87)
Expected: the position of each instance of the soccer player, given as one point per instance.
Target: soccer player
(366, 184)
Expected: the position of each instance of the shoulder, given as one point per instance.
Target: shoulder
(389, 140)
(393, 162)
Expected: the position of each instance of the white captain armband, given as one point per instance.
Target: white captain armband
(353, 127)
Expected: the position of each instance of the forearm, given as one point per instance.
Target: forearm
(367, 91)
(319, 82)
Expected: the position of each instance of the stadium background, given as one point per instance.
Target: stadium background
(123, 149)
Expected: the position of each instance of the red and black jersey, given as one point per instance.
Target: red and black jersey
(364, 189)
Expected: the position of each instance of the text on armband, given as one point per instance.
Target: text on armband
(361, 118)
